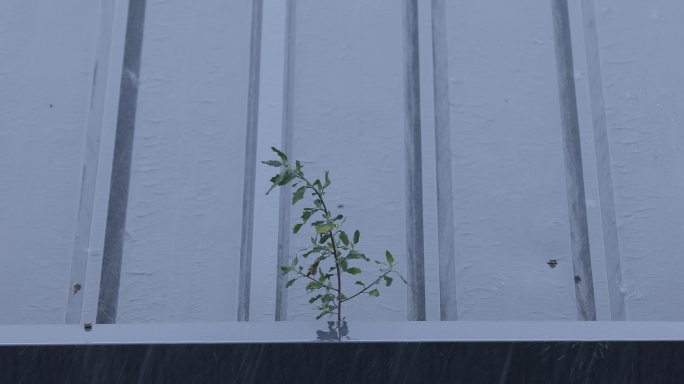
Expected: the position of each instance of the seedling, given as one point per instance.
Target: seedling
(332, 251)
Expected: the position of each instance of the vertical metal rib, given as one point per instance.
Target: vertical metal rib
(579, 232)
(121, 165)
(285, 191)
(445, 216)
(611, 243)
(90, 163)
(250, 164)
(414, 184)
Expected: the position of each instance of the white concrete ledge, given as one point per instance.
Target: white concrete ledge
(305, 332)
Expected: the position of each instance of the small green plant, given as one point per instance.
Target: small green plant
(332, 252)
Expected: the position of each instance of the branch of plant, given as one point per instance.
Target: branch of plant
(327, 229)
(316, 281)
(374, 283)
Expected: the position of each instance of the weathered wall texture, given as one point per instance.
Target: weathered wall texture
(182, 240)
(46, 72)
(192, 238)
(347, 117)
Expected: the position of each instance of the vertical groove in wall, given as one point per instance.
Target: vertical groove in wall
(250, 164)
(445, 216)
(121, 165)
(286, 145)
(90, 163)
(574, 177)
(414, 185)
(611, 243)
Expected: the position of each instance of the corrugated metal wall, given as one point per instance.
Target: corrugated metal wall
(476, 140)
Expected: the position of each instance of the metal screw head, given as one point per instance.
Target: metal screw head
(77, 287)
(552, 263)
(88, 326)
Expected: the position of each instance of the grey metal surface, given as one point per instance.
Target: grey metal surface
(508, 211)
(445, 211)
(302, 332)
(414, 184)
(579, 232)
(284, 227)
(121, 166)
(247, 228)
(611, 242)
(82, 240)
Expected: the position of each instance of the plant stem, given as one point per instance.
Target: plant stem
(312, 279)
(369, 285)
(337, 263)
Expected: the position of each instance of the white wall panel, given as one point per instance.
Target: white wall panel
(46, 71)
(342, 67)
(348, 118)
(509, 198)
(592, 174)
(182, 245)
(644, 97)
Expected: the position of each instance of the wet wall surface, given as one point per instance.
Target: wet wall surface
(348, 362)
(497, 235)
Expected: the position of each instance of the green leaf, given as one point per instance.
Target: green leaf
(297, 227)
(323, 228)
(338, 217)
(389, 257)
(286, 178)
(282, 178)
(318, 185)
(289, 283)
(307, 214)
(359, 282)
(353, 255)
(327, 179)
(280, 154)
(343, 265)
(354, 270)
(276, 179)
(388, 280)
(344, 238)
(285, 269)
(374, 293)
(357, 234)
(313, 299)
(298, 195)
(312, 286)
(273, 163)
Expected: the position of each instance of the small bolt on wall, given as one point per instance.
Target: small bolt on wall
(332, 252)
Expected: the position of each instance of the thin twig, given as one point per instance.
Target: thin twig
(314, 280)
